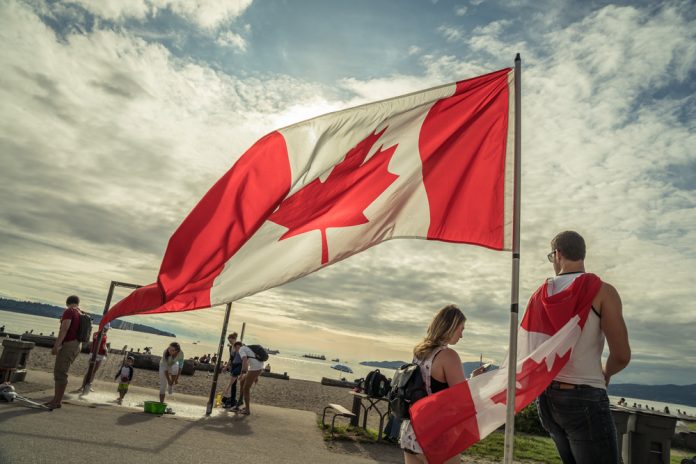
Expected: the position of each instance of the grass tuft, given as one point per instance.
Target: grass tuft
(348, 433)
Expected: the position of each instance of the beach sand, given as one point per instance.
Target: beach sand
(294, 394)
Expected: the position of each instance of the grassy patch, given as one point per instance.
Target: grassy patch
(348, 433)
(692, 426)
(527, 447)
(676, 455)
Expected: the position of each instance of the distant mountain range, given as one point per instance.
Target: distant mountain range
(678, 394)
(46, 310)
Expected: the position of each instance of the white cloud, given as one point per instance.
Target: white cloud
(414, 50)
(130, 138)
(452, 34)
(117, 11)
(233, 40)
(207, 14)
(460, 10)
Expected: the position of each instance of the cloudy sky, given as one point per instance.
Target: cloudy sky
(116, 118)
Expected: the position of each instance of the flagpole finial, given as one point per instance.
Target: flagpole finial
(517, 57)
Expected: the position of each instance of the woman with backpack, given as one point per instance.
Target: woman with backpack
(252, 364)
(169, 369)
(440, 368)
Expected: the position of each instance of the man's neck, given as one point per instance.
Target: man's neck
(569, 267)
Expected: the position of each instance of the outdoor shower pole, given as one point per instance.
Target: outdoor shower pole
(211, 399)
(93, 358)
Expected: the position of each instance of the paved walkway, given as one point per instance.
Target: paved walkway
(94, 429)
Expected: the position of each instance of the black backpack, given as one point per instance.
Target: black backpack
(84, 329)
(377, 384)
(259, 352)
(407, 388)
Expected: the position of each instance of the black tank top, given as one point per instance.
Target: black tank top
(436, 385)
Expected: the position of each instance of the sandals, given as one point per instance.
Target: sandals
(52, 406)
(243, 412)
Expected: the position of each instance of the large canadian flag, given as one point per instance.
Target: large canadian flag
(435, 164)
(455, 418)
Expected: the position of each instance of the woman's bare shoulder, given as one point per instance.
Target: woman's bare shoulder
(449, 355)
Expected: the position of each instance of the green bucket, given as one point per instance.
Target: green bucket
(155, 407)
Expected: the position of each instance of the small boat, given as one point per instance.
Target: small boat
(314, 356)
(338, 383)
(275, 375)
(270, 351)
(336, 360)
(342, 368)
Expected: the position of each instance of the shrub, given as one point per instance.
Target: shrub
(527, 421)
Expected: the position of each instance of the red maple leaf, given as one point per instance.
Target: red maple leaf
(340, 200)
(529, 380)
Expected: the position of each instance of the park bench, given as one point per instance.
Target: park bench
(338, 411)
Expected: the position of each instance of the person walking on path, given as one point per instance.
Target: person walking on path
(574, 409)
(440, 367)
(125, 376)
(170, 368)
(65, 349)
(101, 356)
(251, 370)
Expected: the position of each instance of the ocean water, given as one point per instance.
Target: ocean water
(293, 363)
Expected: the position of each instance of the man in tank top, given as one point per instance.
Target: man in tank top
(574, 409)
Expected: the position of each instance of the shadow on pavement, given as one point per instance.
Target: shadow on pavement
(227, 425)
(380, 452)
(134, 418)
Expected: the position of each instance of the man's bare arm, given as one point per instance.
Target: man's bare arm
(615, 331)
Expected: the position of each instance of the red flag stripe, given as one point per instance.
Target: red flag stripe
(232, 210)
(458, 180)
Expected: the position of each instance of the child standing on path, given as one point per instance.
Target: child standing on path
(126, 375)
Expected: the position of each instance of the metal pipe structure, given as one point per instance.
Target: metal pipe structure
(213, 387)
(93, 357)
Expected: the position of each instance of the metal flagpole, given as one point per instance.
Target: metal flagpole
(211, 399)
(514, 293)
(93, 358)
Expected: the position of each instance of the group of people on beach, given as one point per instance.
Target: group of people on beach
(242, 367)
(574, 408)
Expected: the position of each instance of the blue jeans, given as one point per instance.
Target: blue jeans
(580, 423)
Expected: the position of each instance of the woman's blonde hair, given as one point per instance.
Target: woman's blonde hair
(440, 331)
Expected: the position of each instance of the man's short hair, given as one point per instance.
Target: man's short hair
(570, 244)
(232, 335)
(72, 299)
(238, 344)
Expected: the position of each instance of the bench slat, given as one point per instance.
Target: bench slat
(341, 409)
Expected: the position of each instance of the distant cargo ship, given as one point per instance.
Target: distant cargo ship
(315, 356)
